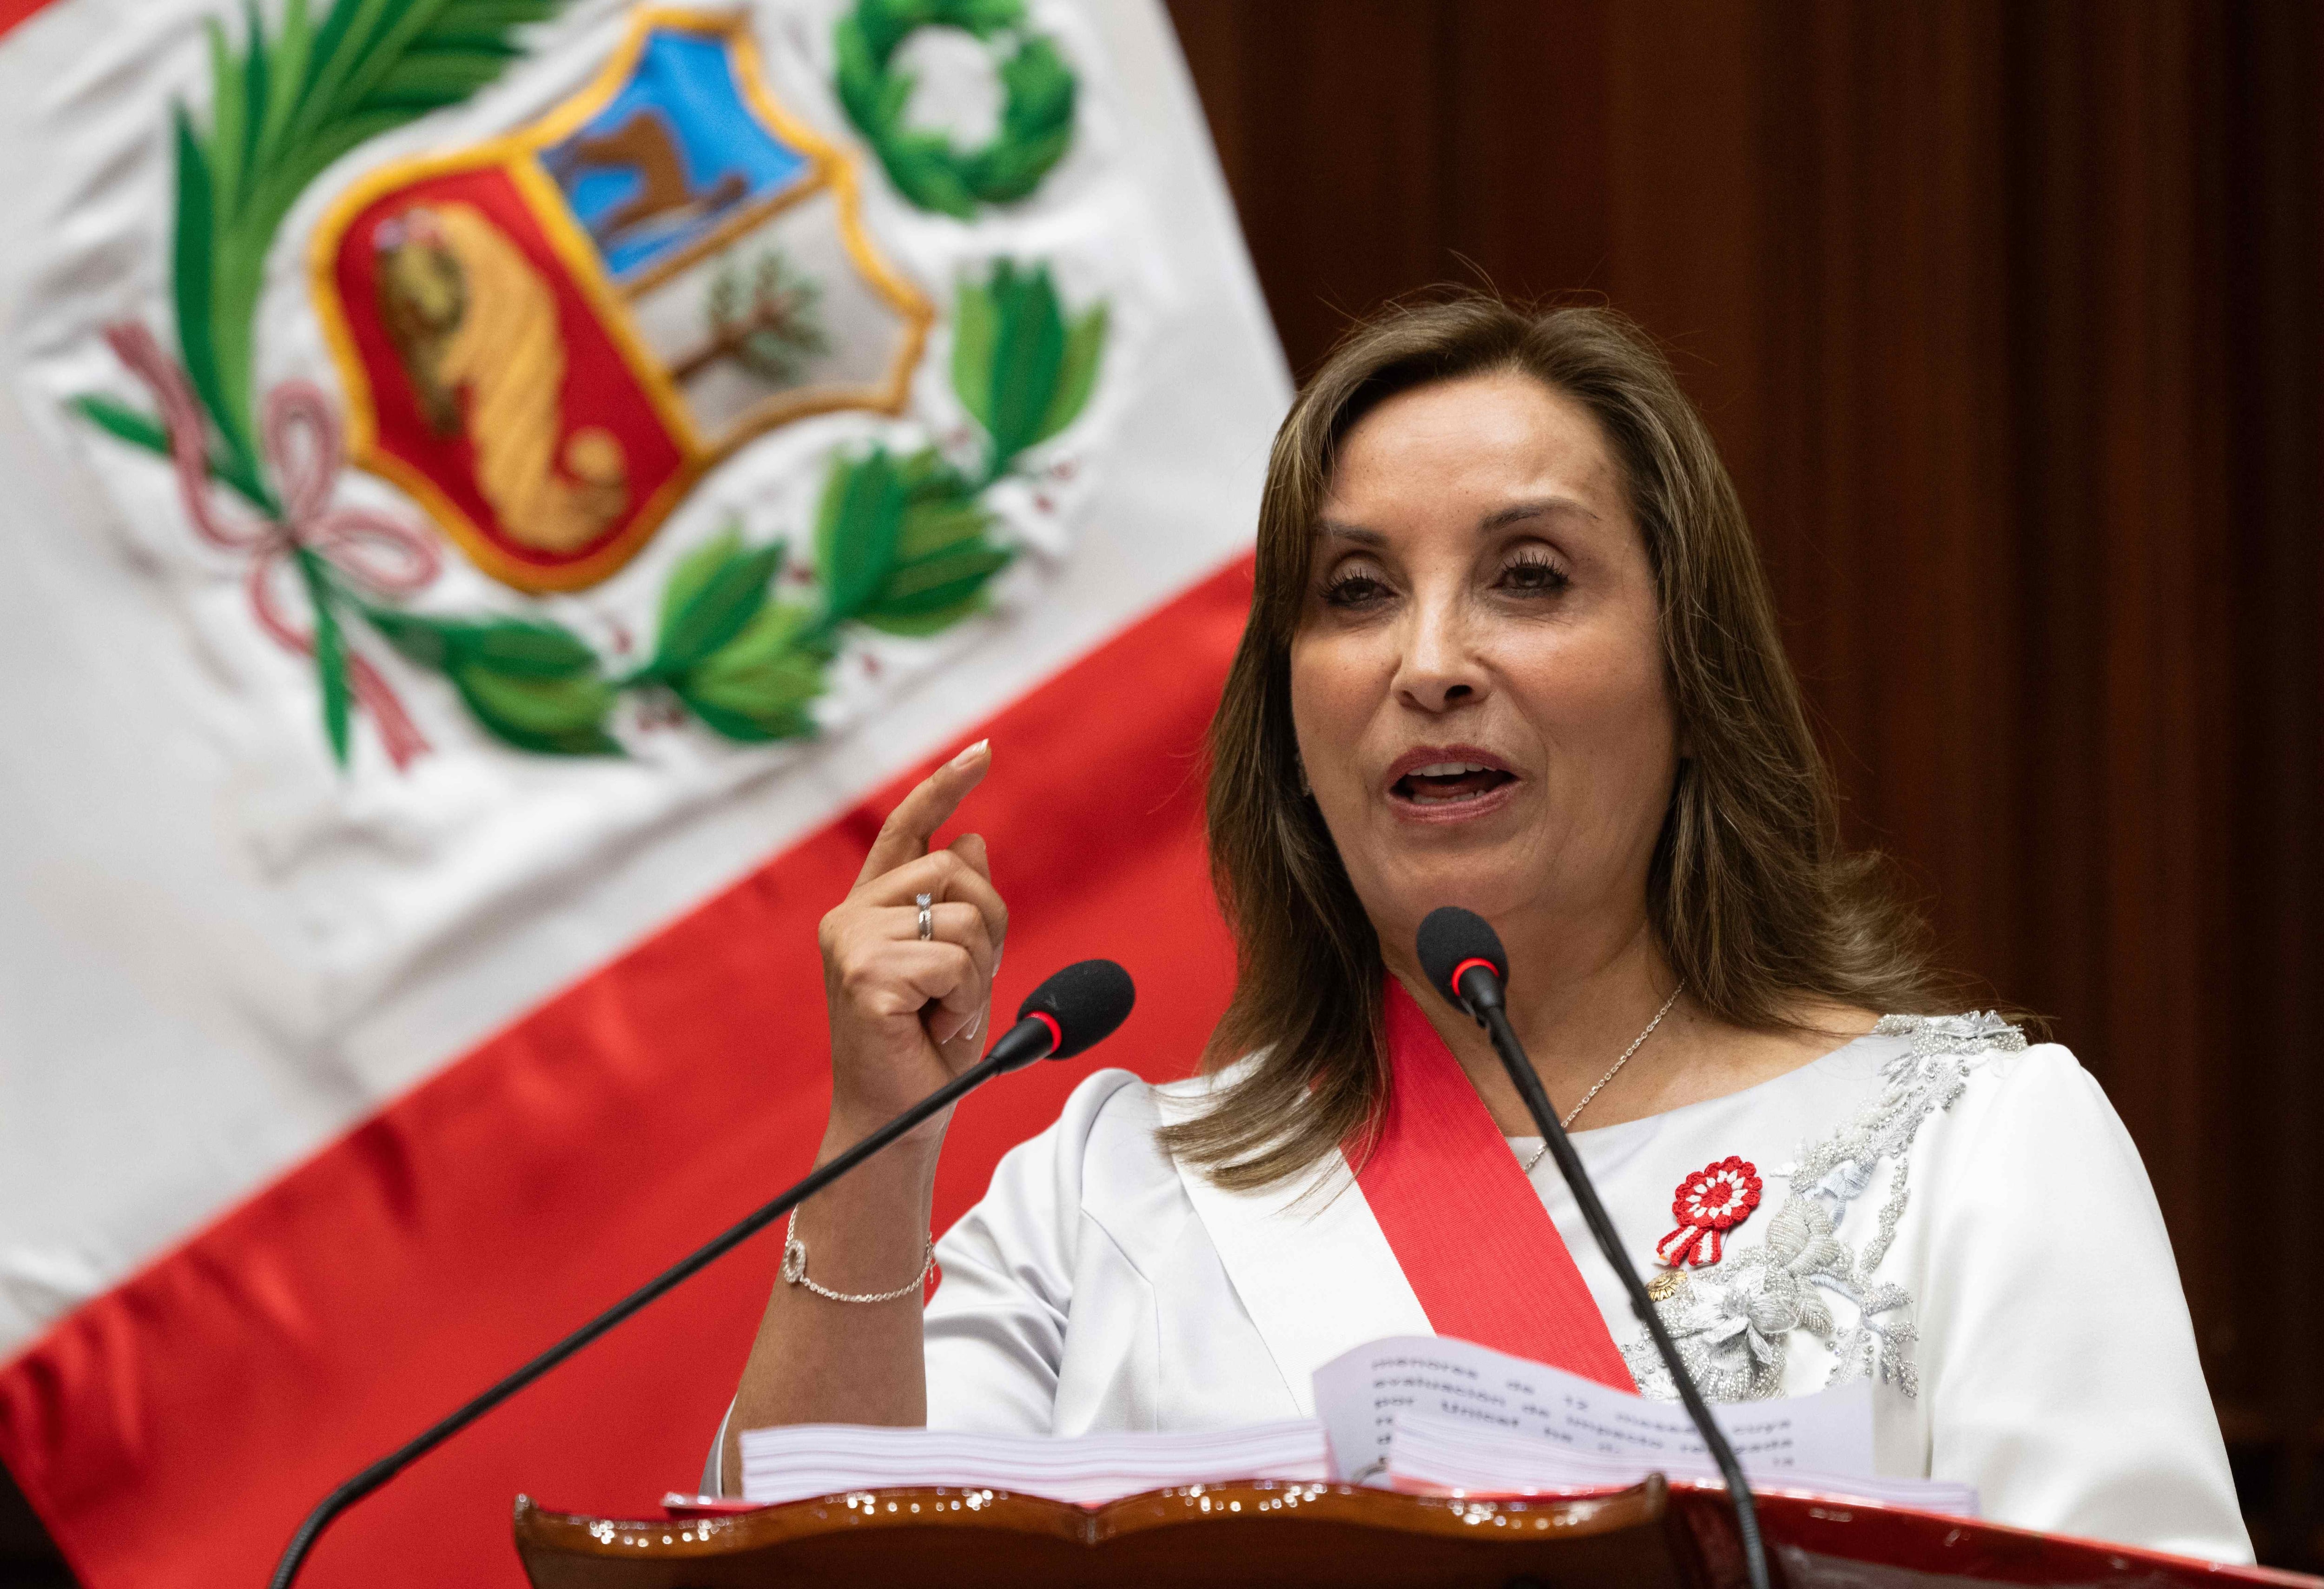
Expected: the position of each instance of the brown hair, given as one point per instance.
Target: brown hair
(1753, 899)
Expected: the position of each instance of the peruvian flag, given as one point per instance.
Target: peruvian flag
(503, 496)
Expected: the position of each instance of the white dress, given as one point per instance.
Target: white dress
(1958, 1215)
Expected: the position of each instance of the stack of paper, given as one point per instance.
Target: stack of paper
(1361, 1395)
(1432, 1454)
(1423, 1413)
(802, 1460)
(1431, 1414)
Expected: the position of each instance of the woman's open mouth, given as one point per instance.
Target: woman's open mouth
(1442, 783)
(1448, 782)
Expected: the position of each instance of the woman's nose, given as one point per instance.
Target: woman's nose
(1439, 669)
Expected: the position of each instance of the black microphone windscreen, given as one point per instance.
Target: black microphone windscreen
(1087, 1000)
(1451, 937)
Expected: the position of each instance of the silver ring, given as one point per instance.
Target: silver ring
(927, 902)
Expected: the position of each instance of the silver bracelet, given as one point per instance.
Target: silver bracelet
(794, 1270)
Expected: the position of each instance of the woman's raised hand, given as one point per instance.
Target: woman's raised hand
(909, 1014)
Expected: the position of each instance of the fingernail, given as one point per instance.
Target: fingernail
(970, 754)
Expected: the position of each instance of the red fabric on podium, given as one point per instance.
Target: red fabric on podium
(1471, 1233)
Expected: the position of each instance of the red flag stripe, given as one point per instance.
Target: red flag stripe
(12, 11)
(173, 1431)
(1467, 1227)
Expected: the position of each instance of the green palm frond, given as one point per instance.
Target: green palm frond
(281, 111)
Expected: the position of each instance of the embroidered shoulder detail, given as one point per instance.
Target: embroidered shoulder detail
(1733, 1323)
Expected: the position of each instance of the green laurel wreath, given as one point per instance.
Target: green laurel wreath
(1037, 117)
(900, 543)
(900, 546)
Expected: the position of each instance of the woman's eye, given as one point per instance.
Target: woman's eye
(1354, 589)
(1533, 574)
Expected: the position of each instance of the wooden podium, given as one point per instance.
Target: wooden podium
(1313, 1536)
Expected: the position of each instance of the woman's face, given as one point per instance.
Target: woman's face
(1477, 680)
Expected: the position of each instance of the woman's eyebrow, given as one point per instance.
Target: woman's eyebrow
(1519, 511)
(1499, 518)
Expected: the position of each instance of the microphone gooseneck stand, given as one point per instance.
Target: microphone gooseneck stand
(1569, 1164)
(1038, 1034)
(1477, 984)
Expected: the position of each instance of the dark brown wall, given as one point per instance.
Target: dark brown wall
(2005, 315)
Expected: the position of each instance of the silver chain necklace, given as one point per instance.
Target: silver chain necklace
(1574, 1113)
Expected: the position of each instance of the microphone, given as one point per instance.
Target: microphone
(1076, 1009)
(1464, 961)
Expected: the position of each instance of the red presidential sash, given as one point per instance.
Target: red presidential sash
(1468, 1230)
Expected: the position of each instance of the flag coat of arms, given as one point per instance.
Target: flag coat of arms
(504, 495)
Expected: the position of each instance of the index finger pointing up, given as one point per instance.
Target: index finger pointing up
(905, 835)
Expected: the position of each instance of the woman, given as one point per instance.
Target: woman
(1510, 647)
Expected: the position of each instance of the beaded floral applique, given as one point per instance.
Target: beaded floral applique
(1733, 1323)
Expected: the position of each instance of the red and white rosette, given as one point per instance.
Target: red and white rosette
(1710, 1202)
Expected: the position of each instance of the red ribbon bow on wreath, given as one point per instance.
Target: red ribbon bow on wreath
(1710, 1202)
(303, 445)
